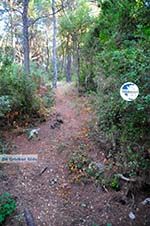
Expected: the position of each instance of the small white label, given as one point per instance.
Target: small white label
(129, 91)
(18, 158)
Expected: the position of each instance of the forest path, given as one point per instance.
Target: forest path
(51, 196)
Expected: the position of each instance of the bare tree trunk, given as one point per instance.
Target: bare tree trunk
(68, 61)
(78, 65)
(54, 57)
(47, 52)
(26, 37)
(68, 68)
(62, 67)
(12, 31)
(76, 57)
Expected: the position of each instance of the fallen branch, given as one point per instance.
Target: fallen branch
(43, 171)
(105, 189)
(29, 218)
(125, 178)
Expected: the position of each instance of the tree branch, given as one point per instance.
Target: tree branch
(18, 11)
(45, 16)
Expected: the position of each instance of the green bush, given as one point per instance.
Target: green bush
(19, 93)
(117, 48)
(5, 105)
(130, 119)
(48, 98)
(7, 206)
(126, 123)
(4, 146)
(114, 183)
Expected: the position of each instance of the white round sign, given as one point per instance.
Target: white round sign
(129, 91)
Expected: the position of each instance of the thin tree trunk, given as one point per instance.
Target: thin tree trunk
(47, 52)
(68, 62)
(76, 58)
(26, 50)
(54, 57)
(78, 65)
(62, 68)
(12, 32)
(68, 68)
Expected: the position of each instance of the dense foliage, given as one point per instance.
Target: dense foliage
(19, 94)
(119, 52)
(7, 206)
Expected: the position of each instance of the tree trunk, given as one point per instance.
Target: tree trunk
(47, 52)
(54, 56)
(68, 61)
(26, 50)
(76, 57)
(12, 31)
(68, 68)
(78, 65)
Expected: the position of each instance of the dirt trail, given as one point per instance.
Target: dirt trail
(51, 197)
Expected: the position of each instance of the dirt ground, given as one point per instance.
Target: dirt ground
(51, 196)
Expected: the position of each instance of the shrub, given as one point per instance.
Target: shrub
(4, 146)
(114, 183)
(18, 93)
(126, 123)
(7, 206)
(129, 119)
(119, 52)
(84, 169)
(5, 105)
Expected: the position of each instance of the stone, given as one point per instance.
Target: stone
(132, 216)
(146, 201)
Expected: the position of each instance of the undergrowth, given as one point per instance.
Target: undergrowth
(7, 206)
